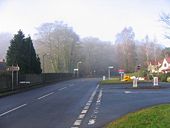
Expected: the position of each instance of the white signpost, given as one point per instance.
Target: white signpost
(155, 81)
(14, 69)
(121, 72)
(135, 82)
(75, 70)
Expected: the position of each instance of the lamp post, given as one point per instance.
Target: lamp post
(110, 67)
(78, 68)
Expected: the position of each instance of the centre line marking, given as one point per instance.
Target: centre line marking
(85, 110)
(81, 116)
(77, 122)
(93, 118)
(45, 95)
(86, 107)
(62, 88)
(12, 110)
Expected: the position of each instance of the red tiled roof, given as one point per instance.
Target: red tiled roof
(160, 61)
(168, 59)
(156, 62)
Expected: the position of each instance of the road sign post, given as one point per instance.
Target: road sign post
(14, 69)
(121, 72)
(110, 67)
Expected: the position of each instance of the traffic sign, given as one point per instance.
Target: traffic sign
(13, 68)
(121, 71)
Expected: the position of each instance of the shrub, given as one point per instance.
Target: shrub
(163, 77)
(168, 79)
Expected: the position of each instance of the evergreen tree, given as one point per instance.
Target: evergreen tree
(21, 52)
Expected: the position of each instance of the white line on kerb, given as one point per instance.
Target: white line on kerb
(45, 95)
(62, 88)
(12, 110)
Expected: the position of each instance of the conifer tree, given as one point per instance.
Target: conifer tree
(21, 52)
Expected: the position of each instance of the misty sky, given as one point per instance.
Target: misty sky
(97, 18)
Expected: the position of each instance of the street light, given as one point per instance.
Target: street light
(78, 68)
(43, 61)
(110, 67)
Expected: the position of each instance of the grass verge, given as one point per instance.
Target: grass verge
(115, 80)
(103, 82)
(153, 117)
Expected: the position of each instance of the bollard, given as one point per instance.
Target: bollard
(155, 81)
(104, 78)
(135, 82)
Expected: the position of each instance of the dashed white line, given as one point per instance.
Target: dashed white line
(81, 116)
(77, 122)
(86, 107)
(92, 121)
(12, 110)
(62, 88)
(88, 104)
(45, 95)
(84, 111)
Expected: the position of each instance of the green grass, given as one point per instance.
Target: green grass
(114, 81)
(153, 117)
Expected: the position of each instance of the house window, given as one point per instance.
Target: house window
(164, 65)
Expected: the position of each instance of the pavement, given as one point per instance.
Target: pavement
(80, 103)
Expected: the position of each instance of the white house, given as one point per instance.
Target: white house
(165, 66)
(159, 66)
(154, 66)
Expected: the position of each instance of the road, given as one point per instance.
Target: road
(79, 103)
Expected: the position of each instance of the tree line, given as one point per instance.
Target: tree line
(59, 49)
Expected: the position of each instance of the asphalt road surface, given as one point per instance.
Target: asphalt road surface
(79, 103)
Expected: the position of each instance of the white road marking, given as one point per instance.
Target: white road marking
(91, 121)
(86, 107)
(93, 118)
(99, 96)
(71, 85)
(77, 122)
(81, 116)
(127, 92)
(62, 88)
(84, 111)
(12, 110)
(88, 104)
(45, 95)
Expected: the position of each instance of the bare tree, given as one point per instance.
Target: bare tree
(97, 54)
(126, 49)
(4, 43)
(59, 41)
(165, 18)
